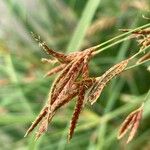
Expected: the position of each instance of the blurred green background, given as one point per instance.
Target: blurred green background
(67, 26)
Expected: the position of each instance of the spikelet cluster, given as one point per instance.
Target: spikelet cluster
(131, 123)
(74, 81)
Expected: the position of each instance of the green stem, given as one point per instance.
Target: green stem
(117, 37)
(136, 65)
(138, 53)
(110, 45)
(135, 55)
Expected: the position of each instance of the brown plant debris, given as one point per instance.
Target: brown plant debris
(131, 123)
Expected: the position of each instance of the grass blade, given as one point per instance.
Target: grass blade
(83, 24)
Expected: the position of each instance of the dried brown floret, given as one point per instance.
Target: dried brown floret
(85, 70)
(55, 70)
(37, 120)
(57, 84)
(71, 72)
(78, 108)
(59, 56)
(104, 79)
(131, 123)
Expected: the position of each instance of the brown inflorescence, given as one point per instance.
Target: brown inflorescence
(131, 123)
(74, 81)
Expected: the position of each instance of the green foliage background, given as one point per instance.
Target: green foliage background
(69, 26)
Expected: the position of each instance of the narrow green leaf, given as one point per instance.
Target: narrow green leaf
(83, 24)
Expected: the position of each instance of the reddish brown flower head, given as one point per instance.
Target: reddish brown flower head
(73, 81)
